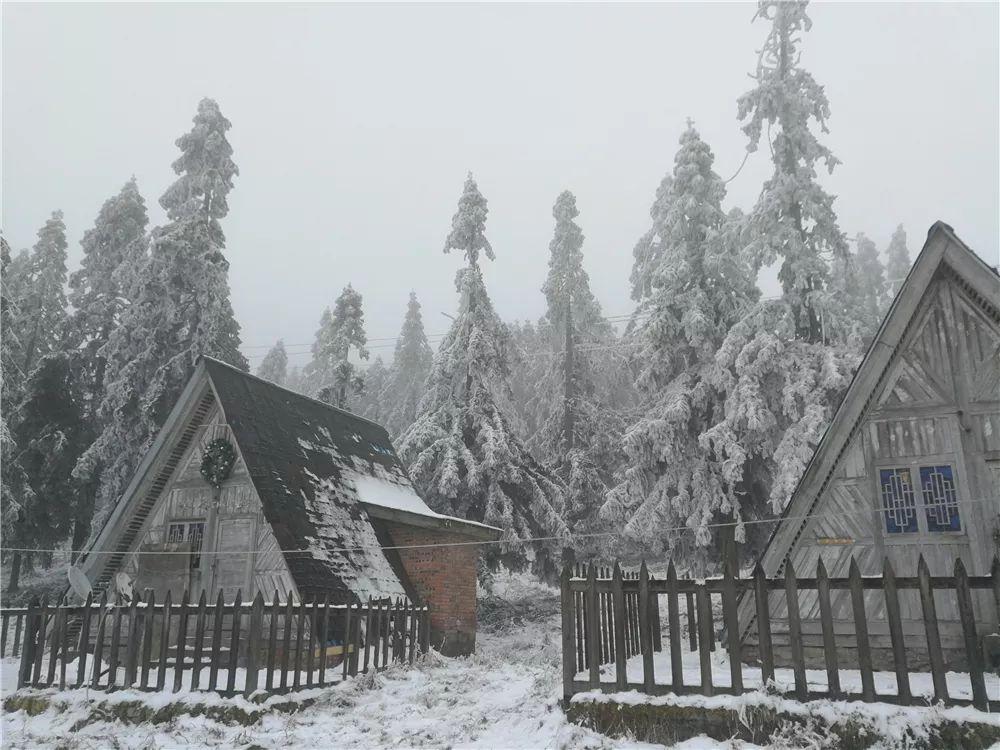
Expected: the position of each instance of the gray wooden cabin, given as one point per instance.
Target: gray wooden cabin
(909, 465)
(314, 506)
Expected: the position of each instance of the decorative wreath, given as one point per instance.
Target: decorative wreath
(217, 461)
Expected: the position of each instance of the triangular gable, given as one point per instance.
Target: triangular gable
(876, 383)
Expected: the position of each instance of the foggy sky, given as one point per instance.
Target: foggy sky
(354, 127)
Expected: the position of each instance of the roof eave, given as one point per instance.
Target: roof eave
(477, 531)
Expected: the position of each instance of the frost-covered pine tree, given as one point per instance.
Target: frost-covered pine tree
(897, 261)
(342, 329)
(274, 366)
(180, 308)
(41, 301)
(15, 493)
(461, 450)
(784, 365)
(698, 287)
(794, 219)
(869, 290)
(407, 375)
(112, 249)
(577, 435)
(371, 402)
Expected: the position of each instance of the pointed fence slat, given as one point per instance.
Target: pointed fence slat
(896, 632)
(691, 620)
(645, 630)
(286, 641)
(795, 633)
(704, 618)
(826, 619)
(568, 611)
(161, 674)
(973, 655)
(731, 617)
(253, 644)
(84, 641)
(618, 602)
(217, 617)
(199, 641)
(311, 643)
(234, 643)
(674, 624)
(764, 647)
(594, 653)
(182, 621)
(300, 625)
(931, 631)
(147, 638)
(323, 638)
(861, 632)
(350, 623)
(272, 641)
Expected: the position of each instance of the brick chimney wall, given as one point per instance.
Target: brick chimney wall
(445, 579)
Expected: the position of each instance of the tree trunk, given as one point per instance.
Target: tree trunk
(569, 389)
(15, 572)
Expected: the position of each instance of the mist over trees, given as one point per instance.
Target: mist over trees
(651, 431)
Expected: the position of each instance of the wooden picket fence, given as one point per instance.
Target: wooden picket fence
(244, 646)
(596, 618)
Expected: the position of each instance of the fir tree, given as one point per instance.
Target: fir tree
(16, 495)
(462, 453)
(699, 287)
(576, 433)
(274, 366)
(112, 250)
(41, 302)
(341, 329)
(407, 376)
(51, 432)
(372, 403)
(868, 288)
(897, 261)
(180, 308)
(794, 218)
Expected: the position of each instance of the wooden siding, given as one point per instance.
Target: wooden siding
(250, 559)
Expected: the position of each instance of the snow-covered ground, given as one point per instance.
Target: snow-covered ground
(505, 696)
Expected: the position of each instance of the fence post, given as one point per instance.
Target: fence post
(705, 639)
(369, 618)
(972, 652)
(931, 630)
(795, 632)
(826, 621)
(764, 647)
(674, 623)
(732, 620)
(31, 627)
(54, 650)
(322, 636)
(216, 657)
(568, 634)
(17, 633)
(272, 641)
(234, 642)
(593, 643)
(84, 642)
(896, 632)
(646, 600)
(311, 641)
(132, 646)
(861, 632)
(618, 605)
(99, 641)
(425, 637)
(356, 656)
(161, 675)
(413, 632)
(286, 640)
(147, 638)
(199, 641)
(182, 626)
(253, 644)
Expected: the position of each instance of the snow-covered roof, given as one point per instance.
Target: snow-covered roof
(322, 474)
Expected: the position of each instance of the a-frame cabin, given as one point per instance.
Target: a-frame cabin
(909, 465)
(314, 502)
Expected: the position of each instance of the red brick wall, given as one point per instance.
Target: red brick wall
(445, 579)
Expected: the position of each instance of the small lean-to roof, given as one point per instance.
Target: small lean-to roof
(327, 479)
(942, 248)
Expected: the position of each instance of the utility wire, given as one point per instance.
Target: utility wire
(717, 525)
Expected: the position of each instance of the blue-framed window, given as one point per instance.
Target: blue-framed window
(898, 502)
(940, 496)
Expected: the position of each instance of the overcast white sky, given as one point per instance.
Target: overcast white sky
(354, 127)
